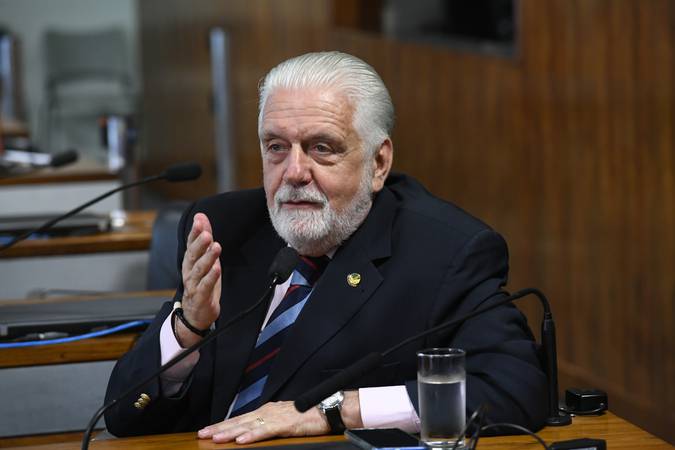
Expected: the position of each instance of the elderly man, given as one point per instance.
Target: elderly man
(382, 259)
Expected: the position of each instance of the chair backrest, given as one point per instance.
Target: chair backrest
(162, 269)
(72, 56)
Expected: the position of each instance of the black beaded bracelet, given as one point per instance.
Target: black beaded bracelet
(188, 325)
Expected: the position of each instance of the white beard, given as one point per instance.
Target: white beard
(314, 232)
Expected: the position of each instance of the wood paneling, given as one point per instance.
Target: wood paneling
(177, 119)
(567, 149)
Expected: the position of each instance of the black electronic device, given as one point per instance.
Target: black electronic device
(579, 444)
(585, 401)
(383, 438)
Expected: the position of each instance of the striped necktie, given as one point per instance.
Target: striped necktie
(272, 336)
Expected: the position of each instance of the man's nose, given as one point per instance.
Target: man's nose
(298, 169)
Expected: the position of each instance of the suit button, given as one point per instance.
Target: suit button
(142, 401)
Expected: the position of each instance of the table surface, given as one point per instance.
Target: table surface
(619, 434)
(135, 235)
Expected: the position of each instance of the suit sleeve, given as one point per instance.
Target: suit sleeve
(162, 414)
(502, 362)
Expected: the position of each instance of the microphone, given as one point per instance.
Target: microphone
(182, 172)
(373, 360)
(281, 268)
(64, 158)
(175, 173)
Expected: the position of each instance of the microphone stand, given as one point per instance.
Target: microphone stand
(281, 268)
(166, 175)
(375, 359)
(175, 360)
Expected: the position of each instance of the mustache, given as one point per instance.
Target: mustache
(288, 193)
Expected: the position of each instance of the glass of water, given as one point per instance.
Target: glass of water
(441, 381)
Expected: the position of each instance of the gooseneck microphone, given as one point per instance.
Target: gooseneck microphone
(373, 360)
(64, 158)
(175, 173)
(283, 265)
(180, 172)
(281, 268)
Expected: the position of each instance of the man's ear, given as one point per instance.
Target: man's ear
(382, 161)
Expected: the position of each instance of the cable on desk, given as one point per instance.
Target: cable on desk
(93, 334)
(477, 419)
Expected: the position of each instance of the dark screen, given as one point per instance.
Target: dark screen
(388, 437)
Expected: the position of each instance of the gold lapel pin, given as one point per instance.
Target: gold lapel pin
(353, 279)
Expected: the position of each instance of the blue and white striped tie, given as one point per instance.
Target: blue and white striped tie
(273, 334)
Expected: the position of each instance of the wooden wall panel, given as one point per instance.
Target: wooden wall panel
(567, 149)
(177, 120)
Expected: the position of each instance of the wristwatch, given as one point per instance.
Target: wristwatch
(330, 407)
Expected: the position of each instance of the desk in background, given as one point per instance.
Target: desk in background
(135, 234)
(53, 190)
(104, 348)
(110, 261)
(56, 388)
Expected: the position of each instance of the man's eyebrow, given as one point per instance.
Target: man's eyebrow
(322, 136)
(267, 135)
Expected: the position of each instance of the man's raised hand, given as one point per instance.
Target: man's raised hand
(201, 280)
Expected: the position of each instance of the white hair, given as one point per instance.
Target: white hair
(373, 109)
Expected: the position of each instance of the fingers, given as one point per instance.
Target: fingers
(201, 253)
(279, 419)
(206, 261)
(201, 274)
(199, 241)
(236, 429)
(243, 430)
(199, 223)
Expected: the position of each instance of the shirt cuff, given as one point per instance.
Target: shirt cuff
(173, 378)
(388, 407)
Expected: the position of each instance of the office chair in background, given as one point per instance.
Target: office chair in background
(88, 76)
(162, 269)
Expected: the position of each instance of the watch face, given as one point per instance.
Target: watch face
(333, 401)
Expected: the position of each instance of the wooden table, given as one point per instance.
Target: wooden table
(619, 434)
(134, 235)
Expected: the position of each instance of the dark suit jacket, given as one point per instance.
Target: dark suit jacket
(422, 262)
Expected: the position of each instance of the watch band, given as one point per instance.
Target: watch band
(337, 426)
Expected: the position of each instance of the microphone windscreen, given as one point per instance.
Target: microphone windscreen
(183, 172)
(63, 158)
(283, 264)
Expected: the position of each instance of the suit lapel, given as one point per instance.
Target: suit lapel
(242, 287)
(334, 302)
